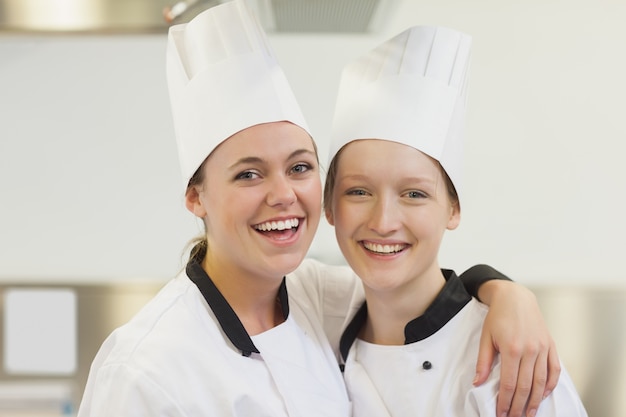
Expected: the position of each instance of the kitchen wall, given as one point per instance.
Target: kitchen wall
(89, 173)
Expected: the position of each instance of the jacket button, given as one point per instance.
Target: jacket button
(427, 365)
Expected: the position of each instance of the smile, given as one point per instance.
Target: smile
(384, 249)
(278, 225)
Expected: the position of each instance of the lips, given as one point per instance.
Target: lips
(281, 232)
(279, 225)
(384, 249)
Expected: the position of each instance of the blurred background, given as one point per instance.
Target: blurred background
(92, 220)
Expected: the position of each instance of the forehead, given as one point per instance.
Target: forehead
(383, 158)
(265, 141)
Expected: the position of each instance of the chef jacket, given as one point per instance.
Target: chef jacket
(432, 374)
(187, 354)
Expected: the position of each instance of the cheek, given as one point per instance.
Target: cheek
(433, 223)
(346, 215)
(231, 205)
(311, 192)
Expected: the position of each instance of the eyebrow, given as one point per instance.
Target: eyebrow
(257, 160)
(417, 179)
(356, 180)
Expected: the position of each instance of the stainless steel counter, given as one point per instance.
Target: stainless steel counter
(589, 326)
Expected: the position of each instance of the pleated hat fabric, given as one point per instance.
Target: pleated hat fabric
(222, 78)
(411, 89)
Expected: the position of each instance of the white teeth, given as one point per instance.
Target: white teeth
(279, 225)
(377, 247)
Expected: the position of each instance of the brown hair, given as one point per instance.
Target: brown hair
(198, 244)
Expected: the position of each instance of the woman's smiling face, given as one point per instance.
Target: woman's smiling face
(390, 208)
(260, 199)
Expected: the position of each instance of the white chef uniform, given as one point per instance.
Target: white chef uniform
(412, 90)
(431, 375)
(186, 354)
(174, 358)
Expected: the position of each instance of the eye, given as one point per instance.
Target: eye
(356, 191)
(247, 175)
(415, 194)
(301, 168)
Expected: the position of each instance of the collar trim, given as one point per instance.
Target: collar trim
(452, 298)
(226, 316)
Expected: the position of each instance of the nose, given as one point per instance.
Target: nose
(384, 218)
(280, 192)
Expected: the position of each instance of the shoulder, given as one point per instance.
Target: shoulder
(121, 390)
(136, 362)
(331, 293)
(564, 399)
(156, 326)
(317, 275)
(331, 287)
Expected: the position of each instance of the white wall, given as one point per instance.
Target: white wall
(89, 182)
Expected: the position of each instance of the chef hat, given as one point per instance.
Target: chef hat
(411, 90)
(223, 78)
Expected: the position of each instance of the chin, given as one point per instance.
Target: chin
(286, 264)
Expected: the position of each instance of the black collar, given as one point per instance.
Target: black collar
(448, 303)
(226, 316)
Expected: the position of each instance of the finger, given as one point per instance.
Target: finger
(539, 383)
(508, 381)
(554, 370)
(524, 383)
(486, 354)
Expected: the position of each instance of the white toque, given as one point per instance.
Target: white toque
(412, 90)
(223, 77)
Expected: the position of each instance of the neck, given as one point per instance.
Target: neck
(253, 298)
(388, 312)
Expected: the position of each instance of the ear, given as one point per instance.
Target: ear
(194, 203)
(455, 217)
(329, 216)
